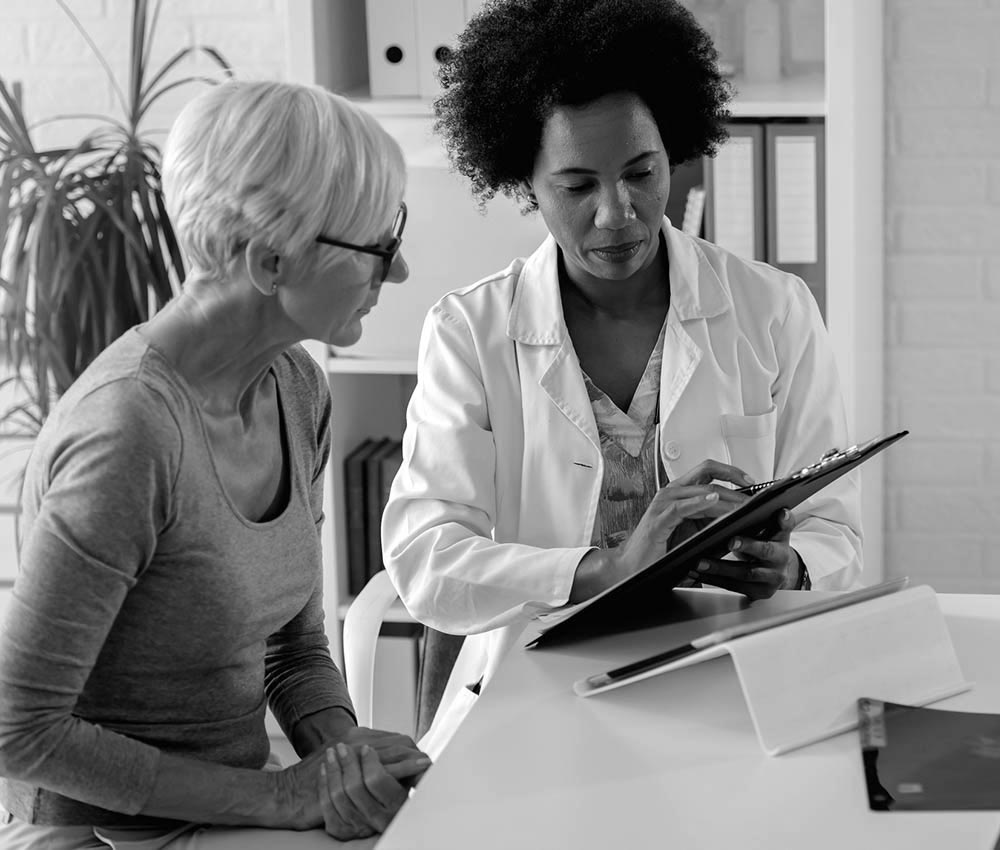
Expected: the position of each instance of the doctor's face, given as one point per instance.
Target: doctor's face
(602, 177)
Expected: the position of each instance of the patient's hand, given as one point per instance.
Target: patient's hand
(357, 795)
(393, 750)
(321, 729)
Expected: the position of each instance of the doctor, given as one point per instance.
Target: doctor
(577, 412)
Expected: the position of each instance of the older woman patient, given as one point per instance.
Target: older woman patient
(170, 585)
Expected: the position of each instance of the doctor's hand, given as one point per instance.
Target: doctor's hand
(762, 566)
(692, 497)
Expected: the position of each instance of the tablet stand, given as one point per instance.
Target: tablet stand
(802, 680)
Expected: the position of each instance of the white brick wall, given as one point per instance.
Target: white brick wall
(59, 73)
(943, 291)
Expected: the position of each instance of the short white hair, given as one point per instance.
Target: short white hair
(283, 162)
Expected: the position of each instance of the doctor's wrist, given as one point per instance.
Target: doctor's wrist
(597, 571)
(801, 579)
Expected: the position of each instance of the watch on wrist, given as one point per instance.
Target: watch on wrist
(805, 583)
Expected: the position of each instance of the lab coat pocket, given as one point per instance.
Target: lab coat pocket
(750, 441)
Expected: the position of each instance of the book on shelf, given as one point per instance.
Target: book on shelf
(368, 473)
(356, 513)
(389, 464)
(375, 500)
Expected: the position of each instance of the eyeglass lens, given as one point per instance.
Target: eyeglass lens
(397, 239)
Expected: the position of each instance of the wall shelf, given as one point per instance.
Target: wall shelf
(802, 96)
(345, 364)
(791, 97)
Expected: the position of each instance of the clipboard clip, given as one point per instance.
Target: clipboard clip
(830, 456)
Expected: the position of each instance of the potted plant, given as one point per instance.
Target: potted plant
(87, 248)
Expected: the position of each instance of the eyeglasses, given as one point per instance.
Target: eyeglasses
(388, 254)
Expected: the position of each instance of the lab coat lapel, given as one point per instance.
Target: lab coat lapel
(696, 296)
(545, 355)
(681, 356)
(562, 465)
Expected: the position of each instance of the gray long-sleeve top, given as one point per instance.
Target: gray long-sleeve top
(148, 614)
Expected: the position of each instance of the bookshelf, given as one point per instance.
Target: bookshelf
(370, 390)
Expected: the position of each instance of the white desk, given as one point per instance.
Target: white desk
(672, 761)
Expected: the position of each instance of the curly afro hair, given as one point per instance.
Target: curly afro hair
(519, 59)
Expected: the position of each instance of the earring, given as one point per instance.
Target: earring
(274, 287)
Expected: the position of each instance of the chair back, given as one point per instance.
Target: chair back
(361, 628)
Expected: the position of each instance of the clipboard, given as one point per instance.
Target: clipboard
(641, 599)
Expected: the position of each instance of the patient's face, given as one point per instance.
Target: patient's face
(602, 178)
(330, 304)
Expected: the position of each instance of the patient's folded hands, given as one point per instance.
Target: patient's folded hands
(397, 752)
(357, 795)
(353, 787)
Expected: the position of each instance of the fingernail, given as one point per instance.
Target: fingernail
(423, 761)
(736, 544)
(365, 749)
(702, 566)
(341, 750)
(711, 497)
(330, 756)
(785, 513)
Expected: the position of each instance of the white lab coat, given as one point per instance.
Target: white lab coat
(496, 499)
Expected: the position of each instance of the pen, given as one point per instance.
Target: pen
(675, 654)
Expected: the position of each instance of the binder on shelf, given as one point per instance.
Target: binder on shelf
(356, 513)
(802, 677)
(392, 48)
(374, 506)
(438, 25)
(796, 220)
(694, 211)
(735, 212)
